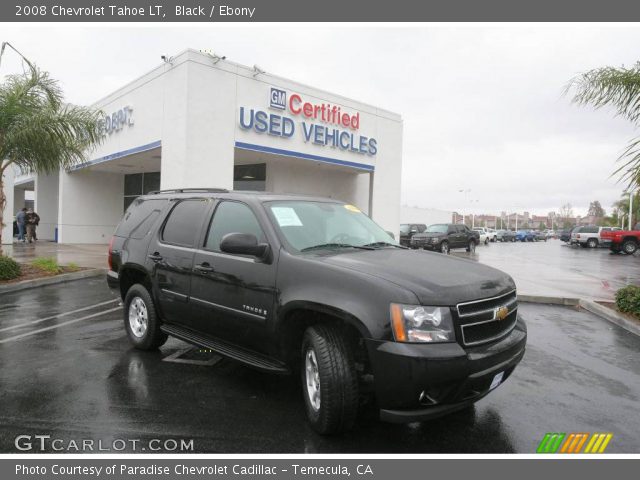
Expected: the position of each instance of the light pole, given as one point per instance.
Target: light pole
(631, 193)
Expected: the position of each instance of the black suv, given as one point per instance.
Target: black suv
(312, 286)
(408, 230)
(442, 237)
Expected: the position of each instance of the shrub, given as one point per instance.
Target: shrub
(72, 266)
(47, 264)
(628, 299)
(9, 268)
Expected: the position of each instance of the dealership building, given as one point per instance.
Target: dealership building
(198, 120)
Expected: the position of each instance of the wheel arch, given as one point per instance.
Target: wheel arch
(129, 275)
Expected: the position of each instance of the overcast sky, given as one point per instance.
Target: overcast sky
(482, 106)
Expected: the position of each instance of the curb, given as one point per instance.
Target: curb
(41, 282)
(589, 305)
(611, 315)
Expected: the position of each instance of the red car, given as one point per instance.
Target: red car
(625, 241)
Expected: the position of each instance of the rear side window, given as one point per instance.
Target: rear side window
(590, 230)
(232, 217)
(140, 218)
(184, 221)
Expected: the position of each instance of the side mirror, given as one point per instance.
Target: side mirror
(243, 244)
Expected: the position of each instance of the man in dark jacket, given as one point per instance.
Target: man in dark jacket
(32, 221)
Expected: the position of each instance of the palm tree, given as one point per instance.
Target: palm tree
(618, 88)
(38, 131)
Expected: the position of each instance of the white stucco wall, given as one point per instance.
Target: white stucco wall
(46, 204)
(90, 206)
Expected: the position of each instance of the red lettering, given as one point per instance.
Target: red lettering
(295, 98)
(307, 109)
(346, 119)
(355, 121)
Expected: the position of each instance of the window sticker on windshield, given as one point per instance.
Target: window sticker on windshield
(286, 217)
(352, 208)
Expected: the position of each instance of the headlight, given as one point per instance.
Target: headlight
(420, 324)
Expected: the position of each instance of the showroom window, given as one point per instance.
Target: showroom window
(136, 184)
(250, 177)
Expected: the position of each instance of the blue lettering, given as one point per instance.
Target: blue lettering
(261, 121)
(363, 145)
(318, 137)
(307, 133)
(344, 137)
(288, 127)
(331, 137)
(274, 125)
(243, 124)
(373, 146)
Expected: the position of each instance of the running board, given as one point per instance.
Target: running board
(253, 359)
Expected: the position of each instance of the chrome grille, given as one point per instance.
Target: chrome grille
(479, 319)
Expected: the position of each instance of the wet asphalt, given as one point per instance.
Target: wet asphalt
(75, 377)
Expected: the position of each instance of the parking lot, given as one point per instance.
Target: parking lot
(68, 371)
(553, 268)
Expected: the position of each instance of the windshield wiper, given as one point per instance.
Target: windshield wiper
(384, 244)
(336, 245)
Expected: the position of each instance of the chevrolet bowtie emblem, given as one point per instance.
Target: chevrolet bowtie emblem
(500, 313)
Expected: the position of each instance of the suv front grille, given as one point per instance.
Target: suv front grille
(481, 320)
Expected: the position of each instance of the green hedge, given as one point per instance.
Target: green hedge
(9, 268)
(628, 299)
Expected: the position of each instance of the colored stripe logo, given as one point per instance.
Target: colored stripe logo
(574, 442)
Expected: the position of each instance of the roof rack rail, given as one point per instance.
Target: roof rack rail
(187, 190)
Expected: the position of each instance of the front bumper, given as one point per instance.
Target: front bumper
(422, 381)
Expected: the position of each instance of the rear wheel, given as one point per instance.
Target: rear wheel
(329, 380)
(444, 247)
(486, 241)
(629, 247)
(141, 320)
(471, 247)
(592, 243)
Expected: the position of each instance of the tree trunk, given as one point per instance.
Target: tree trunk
(3, 203)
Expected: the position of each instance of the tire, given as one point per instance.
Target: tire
(629, 247)
(486, 241)
(329, 380)
(471, 248)
(141, 319)
(444, 248)
(592, 243)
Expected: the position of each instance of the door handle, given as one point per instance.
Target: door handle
(203, 268)
(156, 257)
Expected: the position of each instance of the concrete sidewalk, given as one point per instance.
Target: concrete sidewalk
(89, 255)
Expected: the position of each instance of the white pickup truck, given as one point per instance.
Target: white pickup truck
(485, 235)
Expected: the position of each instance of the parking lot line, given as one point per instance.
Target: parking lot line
(18, 337)
(52, 317)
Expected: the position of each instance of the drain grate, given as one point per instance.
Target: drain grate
(194, 356)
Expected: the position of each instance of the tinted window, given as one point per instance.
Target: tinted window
(184, 222)
(139, 218)
(461, 228)
(590, 230)
(232, 217)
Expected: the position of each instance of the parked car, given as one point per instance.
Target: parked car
(622, 241)
(505, 236)
(442, 237)
(485, 234)
(550, 234)
(589, 236)
(291, 284)
(539, 236)
(408, 230)
(565, 234)
(524, 236)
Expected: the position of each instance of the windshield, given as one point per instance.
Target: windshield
(438, 228)
(309, 224)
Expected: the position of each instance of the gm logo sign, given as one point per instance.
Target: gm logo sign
(278, 99)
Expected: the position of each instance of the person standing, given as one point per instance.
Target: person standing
(21, 221)
(32, 221)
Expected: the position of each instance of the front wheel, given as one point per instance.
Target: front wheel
(444, 247)
(629, 247)
(486, 241)
(141, 320)
(471, 248)
(329, 380)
